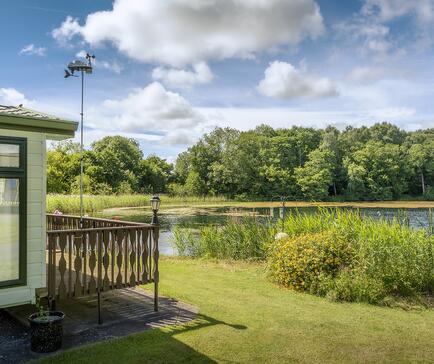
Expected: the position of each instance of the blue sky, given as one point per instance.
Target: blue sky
(168, 71)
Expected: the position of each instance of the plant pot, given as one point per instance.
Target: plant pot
(46, 331)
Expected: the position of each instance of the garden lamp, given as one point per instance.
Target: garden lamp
(155, 205)
(282, 200)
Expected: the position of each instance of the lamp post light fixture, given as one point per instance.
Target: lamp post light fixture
(155, 205)
(282, 200)
(83, 67)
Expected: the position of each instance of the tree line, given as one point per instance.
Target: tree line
(381, 162)
(114, 164)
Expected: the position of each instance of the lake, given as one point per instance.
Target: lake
(196, 217)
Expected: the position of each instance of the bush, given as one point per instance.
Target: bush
(356, 287)
(302, 261)
(340, 255)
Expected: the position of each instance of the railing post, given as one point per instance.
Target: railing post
(52, 272)
(156, 272)
(99, 288)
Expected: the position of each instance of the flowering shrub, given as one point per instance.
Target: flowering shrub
(344, 257)
(300, 262)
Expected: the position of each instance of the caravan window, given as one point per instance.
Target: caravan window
(12, 212)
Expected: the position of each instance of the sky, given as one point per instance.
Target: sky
(168, 71)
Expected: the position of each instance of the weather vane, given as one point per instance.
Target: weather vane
(83, 67)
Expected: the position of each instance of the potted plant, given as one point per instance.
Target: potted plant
(46, 331)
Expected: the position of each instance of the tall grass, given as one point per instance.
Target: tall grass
(96, 203)
(239, 239)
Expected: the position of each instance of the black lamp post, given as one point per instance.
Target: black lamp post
(155, 205)
(282, 200)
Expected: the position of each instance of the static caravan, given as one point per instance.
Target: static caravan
(23, 136)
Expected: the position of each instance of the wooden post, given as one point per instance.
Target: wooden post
(99, 306)
(156, 272)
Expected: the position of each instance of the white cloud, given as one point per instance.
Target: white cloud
(31, 49)
(365, 74)
(181, 32)
(388, 10)
(149, 108)
(248, 118)
(81, 54)
(12, 97)
(113, 66)
(179, 78)
(179, 137)
(369, 36)
(67, 30)
(370, 30)
(283, 81)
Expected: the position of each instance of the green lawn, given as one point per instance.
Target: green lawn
(246, 319)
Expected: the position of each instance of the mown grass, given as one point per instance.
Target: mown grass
(97, 203)
(246, 319)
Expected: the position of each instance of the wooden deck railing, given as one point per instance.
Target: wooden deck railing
(102, 255)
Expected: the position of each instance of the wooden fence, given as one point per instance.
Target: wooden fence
(101, 255)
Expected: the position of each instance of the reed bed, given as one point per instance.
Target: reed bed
(98, 203)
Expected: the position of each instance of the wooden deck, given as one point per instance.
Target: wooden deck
(123, 311)
(90, 256)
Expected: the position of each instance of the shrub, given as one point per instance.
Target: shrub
(302, 261)
(356, 287)
(340, 255)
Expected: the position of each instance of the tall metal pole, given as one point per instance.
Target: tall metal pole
(81, 151)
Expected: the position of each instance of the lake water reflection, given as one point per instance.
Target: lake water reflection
(202, 216)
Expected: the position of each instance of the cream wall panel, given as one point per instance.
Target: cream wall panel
(36, 184)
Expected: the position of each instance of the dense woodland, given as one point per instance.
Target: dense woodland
(381, 162)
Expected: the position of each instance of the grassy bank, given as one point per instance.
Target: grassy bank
(246, 319)
(98, 203)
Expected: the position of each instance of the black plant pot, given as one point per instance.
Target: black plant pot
(46, 331)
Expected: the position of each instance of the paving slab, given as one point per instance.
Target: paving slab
(123, 311)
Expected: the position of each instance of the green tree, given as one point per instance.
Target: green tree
(237, 172)
(155, 174)
(421, 158)
(63, 165)
(194, 185)
(387, 133)
(316, 176)
(331, 141)
(118, 160)
(377, 171)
